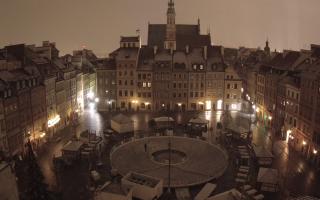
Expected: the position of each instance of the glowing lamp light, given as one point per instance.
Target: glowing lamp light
(90, 95)
(241, 89)
(147, 103)
(97, 100)
(254, 107)
(315, 151)
(288, 135)
(134, 101)
(270, 118)
(200, 103)
(42, 135)
(53, 121)
(179, 104)
(162, 105)
(304, 143)
(257, 110)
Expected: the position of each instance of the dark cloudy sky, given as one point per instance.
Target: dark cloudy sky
(98, 24)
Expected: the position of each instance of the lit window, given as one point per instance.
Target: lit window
(149, 84)
(144, 84)
(201, 66)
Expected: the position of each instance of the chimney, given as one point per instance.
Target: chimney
(155, 49)
(205, 52)
(187, 49)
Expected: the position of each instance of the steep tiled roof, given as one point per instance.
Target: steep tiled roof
(125, 53)
(285, 60)
(105, 63)
(146, 55)
(185, 35)
(130, 39)
(156, 35)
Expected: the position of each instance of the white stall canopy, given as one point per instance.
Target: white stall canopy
(268, 178)
(198, 121)
(263, 155)
(122, 124)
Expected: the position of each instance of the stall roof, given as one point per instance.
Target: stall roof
(262, 152)
(268, 175)
(237, 129)
(122, 119)
(198, 121)
(163, 119)
(232, 194)
(73, 146)
(113, 188)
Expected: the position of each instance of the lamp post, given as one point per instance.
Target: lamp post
(108, 104)
(169, 167)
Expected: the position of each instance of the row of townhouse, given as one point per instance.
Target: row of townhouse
(286, 98)
(178, 69)
(41, 93)
(149, 78)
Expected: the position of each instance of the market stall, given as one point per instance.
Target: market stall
(268, 178)
(122, 124)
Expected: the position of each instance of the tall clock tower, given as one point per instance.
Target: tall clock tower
(170, 42)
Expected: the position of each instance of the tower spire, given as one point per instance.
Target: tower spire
(170, 42)
(267, 48)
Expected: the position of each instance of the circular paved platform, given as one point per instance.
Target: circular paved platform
(195, 161)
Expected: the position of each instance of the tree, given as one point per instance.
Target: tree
(36, 189)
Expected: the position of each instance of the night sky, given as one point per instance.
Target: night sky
(98, 24)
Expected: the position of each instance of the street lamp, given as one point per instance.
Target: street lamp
(315, 151)
(304, 143)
